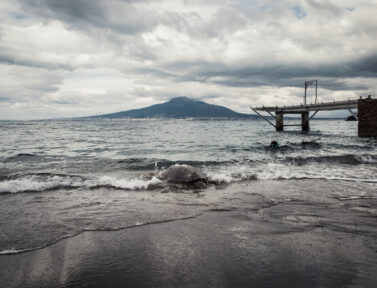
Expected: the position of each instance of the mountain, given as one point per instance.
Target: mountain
(180, 107)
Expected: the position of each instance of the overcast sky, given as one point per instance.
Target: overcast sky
(64, 58)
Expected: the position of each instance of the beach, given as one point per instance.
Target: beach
(289, 233)
(85, 203)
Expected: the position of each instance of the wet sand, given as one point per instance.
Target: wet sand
(300, 241)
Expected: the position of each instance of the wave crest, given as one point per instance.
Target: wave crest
(46, 182)
(349, 159)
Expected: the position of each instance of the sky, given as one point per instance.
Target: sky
(87, 57)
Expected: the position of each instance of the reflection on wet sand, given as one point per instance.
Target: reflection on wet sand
(242, 236)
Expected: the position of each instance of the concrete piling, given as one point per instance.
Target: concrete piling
(367, 116)
(305, 122)
(279, 122)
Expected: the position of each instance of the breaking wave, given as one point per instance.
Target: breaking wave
(152, 163)
(279, 171)
(46, 182)
(219, 173)
(149, 164)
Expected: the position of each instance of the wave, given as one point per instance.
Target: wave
(252, 155)
(219, 173)
(302, 145)
(265, 147)
(154, 163)
(349, 159)
(21, 157)
(230, 174)
(46, 182)
(279, 171)
(147, 164)
(323, 177)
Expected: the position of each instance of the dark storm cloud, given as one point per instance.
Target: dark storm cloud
(122, 16)
(5, 99)
(338, 84)
(367, 65)
(18, 60)
(280, 75)
(294, 75)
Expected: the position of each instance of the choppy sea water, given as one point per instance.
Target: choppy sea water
(59, 178)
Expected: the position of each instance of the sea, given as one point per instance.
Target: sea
(59, 178)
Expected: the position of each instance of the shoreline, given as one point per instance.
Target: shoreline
(250, 234)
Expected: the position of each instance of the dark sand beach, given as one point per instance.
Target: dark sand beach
(292, 233)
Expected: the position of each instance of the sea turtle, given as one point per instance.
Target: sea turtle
(184, 174)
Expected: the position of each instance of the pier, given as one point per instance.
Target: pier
(366, 115)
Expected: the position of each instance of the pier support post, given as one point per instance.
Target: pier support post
(279, 122)
(305, 122)
(367, 116)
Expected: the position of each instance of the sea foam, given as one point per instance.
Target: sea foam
(38, 183)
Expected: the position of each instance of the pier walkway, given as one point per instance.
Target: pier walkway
(297, 109)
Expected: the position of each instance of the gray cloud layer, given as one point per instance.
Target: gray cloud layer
(81, 57)
(121, 16)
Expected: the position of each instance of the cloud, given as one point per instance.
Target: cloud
(367, 65)
(124, 16)
(21, 61)
(326, 6)
(81, 57)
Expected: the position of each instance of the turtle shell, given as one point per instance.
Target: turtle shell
(182, 174)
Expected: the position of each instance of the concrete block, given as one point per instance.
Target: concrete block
(367, 116)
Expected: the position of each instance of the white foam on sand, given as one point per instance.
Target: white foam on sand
(231, 174)
(127, 183)
(279, 171)
(13, 251)
(42, 183)
(37, 183)
(273, 171)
